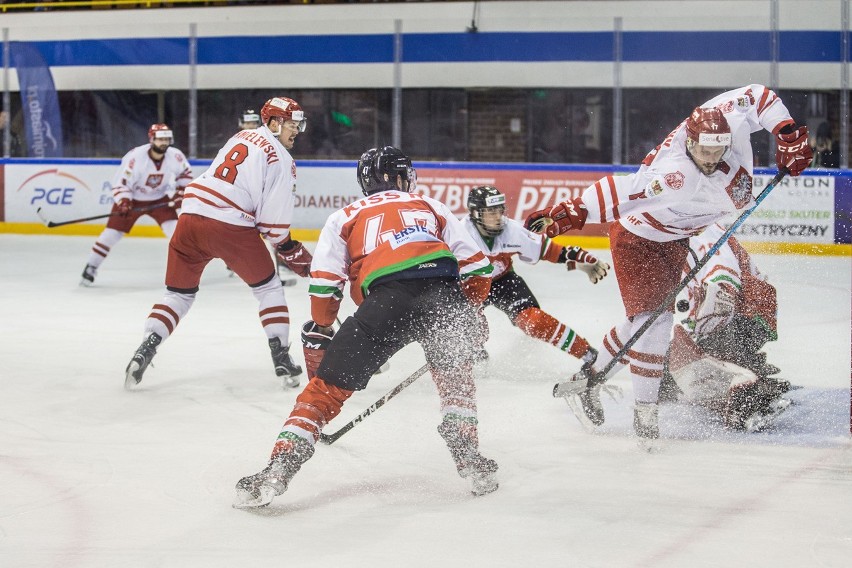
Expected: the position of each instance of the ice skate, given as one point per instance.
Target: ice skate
(469, 462)
(646, 426)
(260, 489)
(583, 395)
(645, 420)
(88, 276)
(284, 364)
(141, 359)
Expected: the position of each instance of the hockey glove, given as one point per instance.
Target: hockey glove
(793, 151)
(575, 258)
(561, 218)
(296, 257)
(177, 199)
(315, 342)
(124, 206)
(476, 288)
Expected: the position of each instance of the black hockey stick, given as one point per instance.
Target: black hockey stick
(599, 376)
(332, 438)
(51, 224)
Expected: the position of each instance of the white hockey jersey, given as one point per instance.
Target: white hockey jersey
(669, 198)
(726, 270)
(251, 183)
(514, 240)
(142, 179)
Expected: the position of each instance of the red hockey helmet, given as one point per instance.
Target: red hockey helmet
(708, 127)
(284, 107)
(708, 138)
(159, 132)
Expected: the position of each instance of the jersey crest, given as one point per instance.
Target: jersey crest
(740, 188)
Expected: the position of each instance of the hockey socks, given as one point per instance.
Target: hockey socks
(541, 325)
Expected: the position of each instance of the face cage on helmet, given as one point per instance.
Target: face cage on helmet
(476, 216)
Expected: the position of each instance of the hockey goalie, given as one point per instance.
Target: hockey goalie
(716, 358)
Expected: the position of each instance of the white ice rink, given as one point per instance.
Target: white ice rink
(94, 476)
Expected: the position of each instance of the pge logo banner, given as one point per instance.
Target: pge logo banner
(799, 210)
(62, 191)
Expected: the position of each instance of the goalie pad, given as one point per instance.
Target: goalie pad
(710, 381)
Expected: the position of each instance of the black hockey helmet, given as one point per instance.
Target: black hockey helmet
(482, 198)
(379, 168)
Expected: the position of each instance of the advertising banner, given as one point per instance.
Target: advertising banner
(42, 118)
(799, 210)
(809, 209)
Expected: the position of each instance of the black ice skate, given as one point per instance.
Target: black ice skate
(284, 364)
(88, 277)
(469, 462)
(141, 360)
(260, 489)
(582, 392)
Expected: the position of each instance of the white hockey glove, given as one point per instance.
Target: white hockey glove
(577, 258)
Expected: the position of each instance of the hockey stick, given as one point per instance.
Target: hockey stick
(51, 224)
(332, 438)
(599, 376)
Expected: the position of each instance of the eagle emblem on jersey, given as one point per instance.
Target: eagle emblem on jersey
(739, 190)
(154, 180)
(674, 180)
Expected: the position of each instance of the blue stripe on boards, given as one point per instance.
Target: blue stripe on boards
(480, 47)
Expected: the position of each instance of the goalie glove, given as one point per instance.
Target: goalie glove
(315, 342)
(561, 218)
(296, 257)
(575, 257)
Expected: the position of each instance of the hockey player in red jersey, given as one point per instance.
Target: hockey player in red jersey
(701, 173)
(247, 191)
(154, 176)
(403, 255)
(501, 239)
(716, 358)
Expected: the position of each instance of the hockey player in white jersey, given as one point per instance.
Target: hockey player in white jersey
(249, 119)
(247, 192)
(151, 177)
(701, 173)
(501, 239)
(716, 358)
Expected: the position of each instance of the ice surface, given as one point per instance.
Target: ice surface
(94, 476)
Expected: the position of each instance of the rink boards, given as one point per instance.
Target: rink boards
(811, 213)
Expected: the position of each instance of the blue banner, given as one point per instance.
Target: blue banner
(42, 118)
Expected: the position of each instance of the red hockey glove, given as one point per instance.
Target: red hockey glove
(177, 199)
(561, 218)
(315, 342)
(595, 269)
(793, 151)
(476, 288)
(124, 206)
(296, 257)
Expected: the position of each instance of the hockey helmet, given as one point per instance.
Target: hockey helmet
(283, 107)
(160, 132)
(487, 205)
(379, 168)
(249, 119)
(708, 138)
